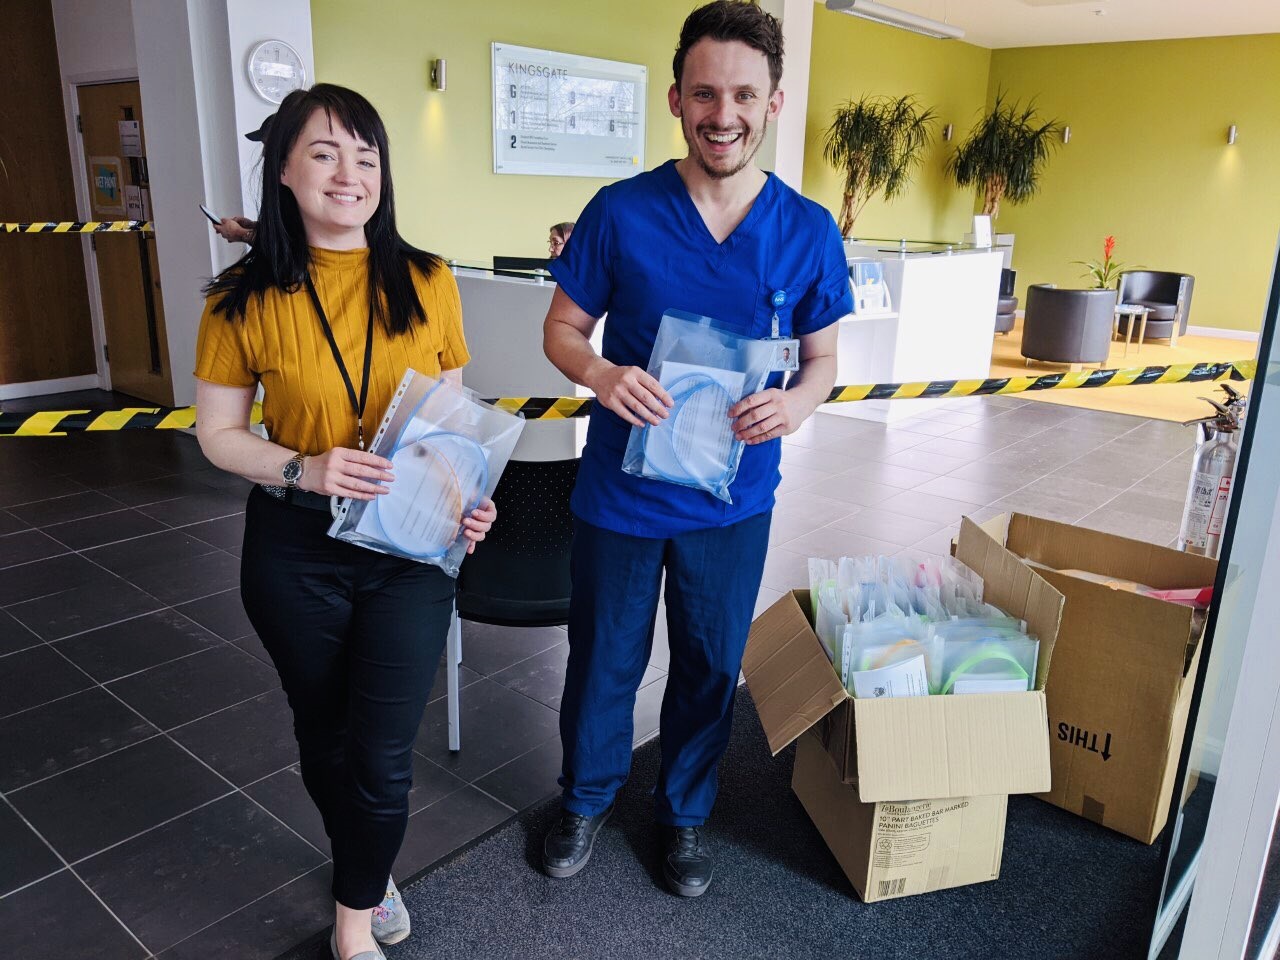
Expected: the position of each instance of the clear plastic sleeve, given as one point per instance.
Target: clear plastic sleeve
(706, 370)
(447, 450)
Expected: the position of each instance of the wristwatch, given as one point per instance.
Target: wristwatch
(292, 471)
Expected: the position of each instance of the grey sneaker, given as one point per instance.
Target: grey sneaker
(374, 954)
(390, 918)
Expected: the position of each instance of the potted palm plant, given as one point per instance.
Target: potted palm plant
(1005, 154)
(875, 143)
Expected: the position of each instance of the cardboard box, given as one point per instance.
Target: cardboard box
(890, 850)
(914, 747)
(1124, 666)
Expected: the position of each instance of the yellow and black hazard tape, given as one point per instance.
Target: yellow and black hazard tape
(79, 226)
(56, 423)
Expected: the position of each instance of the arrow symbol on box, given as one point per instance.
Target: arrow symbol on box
(1106, 749)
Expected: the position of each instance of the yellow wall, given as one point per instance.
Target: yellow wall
(853, 57)
(1148, 162)
(448, 200)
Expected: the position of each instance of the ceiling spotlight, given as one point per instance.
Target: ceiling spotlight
(1231, 134)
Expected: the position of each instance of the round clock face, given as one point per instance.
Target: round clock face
(275, 70)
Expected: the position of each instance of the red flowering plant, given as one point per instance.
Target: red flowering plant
(1106, 271)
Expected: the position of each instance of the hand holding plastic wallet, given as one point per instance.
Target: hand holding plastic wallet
(707, 370)
(447, 451)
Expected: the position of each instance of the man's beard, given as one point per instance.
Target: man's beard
(752, 140)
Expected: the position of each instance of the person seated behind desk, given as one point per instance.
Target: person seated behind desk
(559, 237)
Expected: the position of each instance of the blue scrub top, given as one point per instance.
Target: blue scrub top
(641, 248)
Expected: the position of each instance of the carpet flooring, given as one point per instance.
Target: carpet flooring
(1069, 890)
(1171, 401)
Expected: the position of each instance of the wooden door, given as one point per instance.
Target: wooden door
(46, 328)
(128, 270)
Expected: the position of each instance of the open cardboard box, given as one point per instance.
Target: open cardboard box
(1124, 670)
(912, 748)
(890, 850)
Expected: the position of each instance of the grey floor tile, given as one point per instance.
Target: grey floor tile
(497, 726)
(96, 604)
(137, 644)
(834, 542)
(85, 929)
(193, 687)
(61, 509)
(970, 491)
(852, 489)
(195, 870)
(179, 581)
(540, 677)
(117, 796)
(784, 569)
(925, 506)
(14, 636)
(27, 546)
(892, 528)
(26, 858)
(268, 927)
(35, 676)
(223, 613)
(919, 459)
(244, 742)
(103, 529)
(489, 649)
(527, 779)
(445, 826)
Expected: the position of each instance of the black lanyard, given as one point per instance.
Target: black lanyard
(357, 406)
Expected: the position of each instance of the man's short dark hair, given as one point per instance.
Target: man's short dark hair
(727, 20)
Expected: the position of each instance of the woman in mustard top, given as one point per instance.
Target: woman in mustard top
(326, 312)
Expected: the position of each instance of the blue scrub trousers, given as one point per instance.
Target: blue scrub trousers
(713, 577)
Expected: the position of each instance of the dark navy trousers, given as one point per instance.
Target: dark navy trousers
(712, 579)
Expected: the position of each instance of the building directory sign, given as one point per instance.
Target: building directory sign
(562, 115)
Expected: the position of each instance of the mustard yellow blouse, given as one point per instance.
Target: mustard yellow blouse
(281, 345)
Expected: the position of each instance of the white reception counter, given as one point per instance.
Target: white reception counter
(502, 318)
(941, 327)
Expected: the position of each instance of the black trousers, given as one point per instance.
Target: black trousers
(356, 637)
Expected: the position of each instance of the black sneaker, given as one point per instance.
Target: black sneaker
(567, 847)
(687, 864)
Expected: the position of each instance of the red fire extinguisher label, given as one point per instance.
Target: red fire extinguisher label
(1219, 513)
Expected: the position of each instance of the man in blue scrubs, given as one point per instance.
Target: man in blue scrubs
(711, 234)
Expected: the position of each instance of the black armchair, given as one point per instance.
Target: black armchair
(1166, 295)
(1007, 304)
(1068, 326)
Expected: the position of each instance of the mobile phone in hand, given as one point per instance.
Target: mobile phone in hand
(213, 217)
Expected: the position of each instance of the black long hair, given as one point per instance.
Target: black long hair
(279, 257)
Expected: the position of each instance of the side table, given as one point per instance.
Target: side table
(1133, 313)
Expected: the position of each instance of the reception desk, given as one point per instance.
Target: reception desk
(940, 327)
(502, 317)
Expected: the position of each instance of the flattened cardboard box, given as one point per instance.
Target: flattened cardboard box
(1123, 671)
(912, 748)
(890, 850)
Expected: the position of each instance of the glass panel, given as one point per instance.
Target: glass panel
(1244, 544)
(1264, 936)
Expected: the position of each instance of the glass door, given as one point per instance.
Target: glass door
(1219, 787)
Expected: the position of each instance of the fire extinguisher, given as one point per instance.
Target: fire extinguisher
(1209, 489)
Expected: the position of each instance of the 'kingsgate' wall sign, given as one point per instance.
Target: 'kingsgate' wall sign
(558, 114)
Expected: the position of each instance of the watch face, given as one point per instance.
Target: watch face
(292, 471)
(275, 70)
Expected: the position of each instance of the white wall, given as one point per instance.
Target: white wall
(95, 36)
(250, 22)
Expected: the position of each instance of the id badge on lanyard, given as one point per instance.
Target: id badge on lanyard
(786, 351)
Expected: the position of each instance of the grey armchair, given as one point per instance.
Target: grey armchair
(1067, 326)
(1166, 295)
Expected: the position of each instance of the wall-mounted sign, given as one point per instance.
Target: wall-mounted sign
(130, 138)
(106, 187)
(559, 114)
